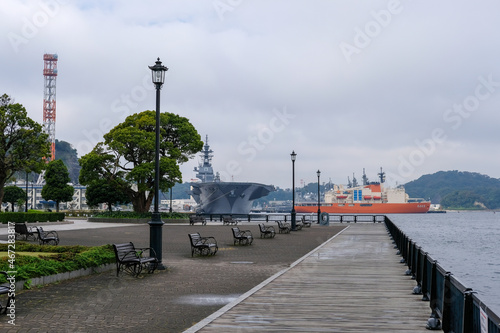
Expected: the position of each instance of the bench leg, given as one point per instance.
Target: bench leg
(152, 266)
(133, 269)
(3, 309)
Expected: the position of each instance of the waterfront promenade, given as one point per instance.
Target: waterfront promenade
(304, 281)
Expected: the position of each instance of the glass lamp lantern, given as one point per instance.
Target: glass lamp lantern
(158, 72)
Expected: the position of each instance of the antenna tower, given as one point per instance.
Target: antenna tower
(49, 100)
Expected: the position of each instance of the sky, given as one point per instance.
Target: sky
(409, 86)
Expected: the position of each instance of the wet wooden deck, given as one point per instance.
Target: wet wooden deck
(352, 283)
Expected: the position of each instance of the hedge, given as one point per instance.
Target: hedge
(65, 259)
(134, 215)
(30, 217)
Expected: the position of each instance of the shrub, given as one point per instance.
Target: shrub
(68, 258)
(134, 215)
(31, 216)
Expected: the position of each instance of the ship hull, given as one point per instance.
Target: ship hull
(363, 208)
(227, 197)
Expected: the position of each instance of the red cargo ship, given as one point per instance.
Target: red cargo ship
(372, 198)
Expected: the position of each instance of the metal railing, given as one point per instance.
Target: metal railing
(454, 308)
(272, 217)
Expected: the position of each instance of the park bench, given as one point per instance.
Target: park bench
(24, 232)
(47, 237)
(299, 225)
(229, 220)
(283, 228)
(242, 237)
(133, 260)
(266, 231)
(5, 289)
(203, 245)
(196, 218)
(305, 223)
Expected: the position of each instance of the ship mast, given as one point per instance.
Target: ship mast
(354, 181)
(381, 176)
(205, 171)
(365, 179)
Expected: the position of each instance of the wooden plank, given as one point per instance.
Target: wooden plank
(353, 283)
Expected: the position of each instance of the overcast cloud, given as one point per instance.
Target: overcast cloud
(410, 86)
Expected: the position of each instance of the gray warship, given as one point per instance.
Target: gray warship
(216, 197)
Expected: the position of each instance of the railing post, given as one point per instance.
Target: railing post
(434, 323)
(414, 261)
(409, 258)
(468, 310)
(448, 315)
(425, 279)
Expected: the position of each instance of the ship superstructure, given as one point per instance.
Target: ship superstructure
(216, 197)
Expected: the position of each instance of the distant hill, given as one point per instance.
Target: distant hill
(457, 189)
(66, 153)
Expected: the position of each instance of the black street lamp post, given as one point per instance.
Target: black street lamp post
(319, 196)
(170, 207)
(26, 208)
(294, 225)
(156, 224)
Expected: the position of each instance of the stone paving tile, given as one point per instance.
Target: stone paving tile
(173, 300)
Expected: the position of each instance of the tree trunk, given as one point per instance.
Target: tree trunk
(141, 202)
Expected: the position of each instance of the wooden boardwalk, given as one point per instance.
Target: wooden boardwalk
(352, 283)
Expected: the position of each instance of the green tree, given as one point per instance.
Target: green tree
(56, 186)
(14, 194)
(463, 200)
(23, 145)
(104, 191)
(126, 158)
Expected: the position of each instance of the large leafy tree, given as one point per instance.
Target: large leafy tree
(126, 158)
(23, 145)
(56, 186)
(13, 194)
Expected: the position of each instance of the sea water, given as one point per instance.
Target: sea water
(465, 244)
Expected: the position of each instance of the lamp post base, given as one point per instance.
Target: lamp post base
(294, 221)
(155, 237)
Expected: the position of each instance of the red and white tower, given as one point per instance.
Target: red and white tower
(49, 100)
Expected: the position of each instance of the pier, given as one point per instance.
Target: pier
(352, 283)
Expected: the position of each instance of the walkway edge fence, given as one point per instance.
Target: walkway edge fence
(454, 307)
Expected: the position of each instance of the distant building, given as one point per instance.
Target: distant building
(35, 200)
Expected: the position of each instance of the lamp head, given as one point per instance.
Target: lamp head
(158, 72)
